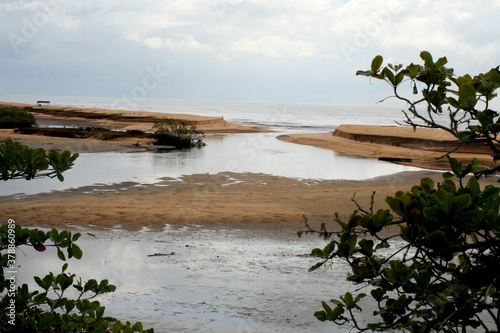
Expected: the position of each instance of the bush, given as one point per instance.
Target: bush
(13, 118)
(178, 135)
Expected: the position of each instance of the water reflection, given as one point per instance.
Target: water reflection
(215, 281)
(257, 153)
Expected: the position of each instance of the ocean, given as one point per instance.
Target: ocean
(260, 153)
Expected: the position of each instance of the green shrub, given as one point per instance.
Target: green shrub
(178, 135)
(134, 132)
(13, 118)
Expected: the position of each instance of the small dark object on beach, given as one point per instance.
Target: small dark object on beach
(394, 159)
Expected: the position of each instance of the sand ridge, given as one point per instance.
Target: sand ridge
(426, 148)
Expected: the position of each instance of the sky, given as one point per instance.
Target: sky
(284, 51)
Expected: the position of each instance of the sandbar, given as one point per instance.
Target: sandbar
(423, 147)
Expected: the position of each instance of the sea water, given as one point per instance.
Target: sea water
(247, 152)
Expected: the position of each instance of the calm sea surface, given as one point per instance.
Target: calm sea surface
(261, 153)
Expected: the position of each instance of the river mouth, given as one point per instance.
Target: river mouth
(194, 279)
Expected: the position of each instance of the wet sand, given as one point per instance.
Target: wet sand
(228, 200)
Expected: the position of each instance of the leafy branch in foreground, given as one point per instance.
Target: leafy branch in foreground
(63, 303)
(431, 262)
(20, 162)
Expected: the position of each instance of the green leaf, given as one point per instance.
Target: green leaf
(60, 254)
(77, 252)
(456, 166)
(377, 294)
(321, 315)
(467, 95)
(447, 175)
(348, 300)
(376, 63)
(316, 266)
(427, 58)
(427, 184)
(389, 75)
(100, 313)
(437, 301)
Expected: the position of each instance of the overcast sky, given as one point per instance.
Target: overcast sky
(291, 51)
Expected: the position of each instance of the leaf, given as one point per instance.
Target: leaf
(427, 184)
(456, 166)
(376, 63)
(435, 300)
(413, 70)
(377, 294)
(316, 266)
(467, 136)
(60, 254)
(77, 252)
(327, 308)
(348, 300)
(427, 58)
(467, 95)
(389, 75)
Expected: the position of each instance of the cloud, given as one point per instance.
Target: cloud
(179, 44)
(276, 46)
(281, 40)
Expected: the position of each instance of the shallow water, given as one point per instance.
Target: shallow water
(258, 153)
(206, 281)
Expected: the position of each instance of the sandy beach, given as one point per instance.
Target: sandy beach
(236, 200)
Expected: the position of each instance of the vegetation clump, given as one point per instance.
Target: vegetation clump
(178, 134)
(15, 118)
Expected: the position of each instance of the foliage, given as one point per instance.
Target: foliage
(431, 263)
(464, 100)
(100, 133)
(178, 134)
(445, 276)
(50, 309)
(14, 118)
(18, 161)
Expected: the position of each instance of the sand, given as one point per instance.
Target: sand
(233, 200)
(426, 148)
(227, 199)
